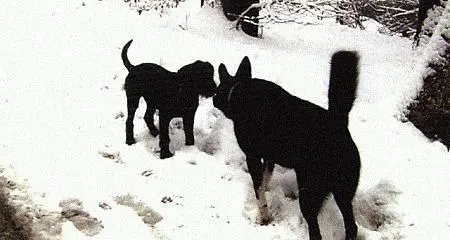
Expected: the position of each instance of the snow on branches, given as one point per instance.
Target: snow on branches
(159, 6)
(397, 16)
(437, 51)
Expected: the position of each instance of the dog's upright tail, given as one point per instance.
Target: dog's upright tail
(343, 83)
(125, 59)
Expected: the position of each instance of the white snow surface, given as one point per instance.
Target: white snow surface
(63, 110)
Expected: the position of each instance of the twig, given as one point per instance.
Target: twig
(243, 18)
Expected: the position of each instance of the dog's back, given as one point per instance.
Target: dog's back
(145, 79)
(147, 76)
(283, 126)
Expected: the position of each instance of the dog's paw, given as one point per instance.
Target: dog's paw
(130, 141)
(165, 154)
(154, 132)
(266, 221)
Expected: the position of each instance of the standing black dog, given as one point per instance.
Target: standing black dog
(277, 127)
(173, 94)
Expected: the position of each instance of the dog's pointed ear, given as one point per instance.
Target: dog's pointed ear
(244, 71)
(224, 76)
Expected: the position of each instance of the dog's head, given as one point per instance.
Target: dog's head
(201, 75)
(228, 84)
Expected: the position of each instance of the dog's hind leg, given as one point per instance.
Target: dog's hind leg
(311, 199)
(310, 205)
(132, 105)
(188, 124)
(262, 203)
(260, 174)
(149, 120)
(344, 202)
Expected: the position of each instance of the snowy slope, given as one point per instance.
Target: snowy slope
(62, 108)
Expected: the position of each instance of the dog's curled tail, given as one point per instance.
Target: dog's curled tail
(125, 59)
(343, 83)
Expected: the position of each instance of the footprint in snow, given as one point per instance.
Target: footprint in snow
(147, 214)
(72, 210)
(110, 153)
(147, 173)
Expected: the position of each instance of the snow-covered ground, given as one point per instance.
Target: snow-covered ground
(62, 129)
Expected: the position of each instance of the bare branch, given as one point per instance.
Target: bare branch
(242, 16)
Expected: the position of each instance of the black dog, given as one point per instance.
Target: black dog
(277, 127)
(173, 94)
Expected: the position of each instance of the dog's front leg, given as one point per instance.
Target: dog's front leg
(260, 177)
(164, 139)
(188, 123)
(149, 120)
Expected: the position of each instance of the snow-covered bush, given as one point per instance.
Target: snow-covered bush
(12, 224)
(159, 6)
(430, 23)
(398, 16)
(431, 110)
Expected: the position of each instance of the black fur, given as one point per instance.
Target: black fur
(174, 94)
(277, 127)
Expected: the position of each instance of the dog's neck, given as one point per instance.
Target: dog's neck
(231, 91)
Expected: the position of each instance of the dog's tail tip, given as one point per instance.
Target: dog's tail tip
(346, 55)
(348, 60)
(125, 59)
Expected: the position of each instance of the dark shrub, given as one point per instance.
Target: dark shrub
(233, 8)
(431, 111)
(12, 226)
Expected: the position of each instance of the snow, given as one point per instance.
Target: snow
(62, 108)
(438, 45)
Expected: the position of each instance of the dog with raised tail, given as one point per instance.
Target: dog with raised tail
(174, 94)
(275, 127)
